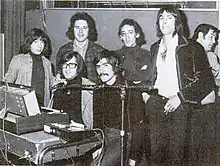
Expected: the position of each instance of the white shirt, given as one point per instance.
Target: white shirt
(212, 57)
(167, 80)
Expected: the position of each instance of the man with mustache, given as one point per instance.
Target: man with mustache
(108, 108)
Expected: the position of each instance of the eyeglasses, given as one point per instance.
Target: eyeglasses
(70, 65)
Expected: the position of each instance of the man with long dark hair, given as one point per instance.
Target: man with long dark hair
(135, 61)
(31, 67)
(82, 31)
(182, 80)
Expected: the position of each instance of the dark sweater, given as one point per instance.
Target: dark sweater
(38, 78)
(132, 60)
(68, 99)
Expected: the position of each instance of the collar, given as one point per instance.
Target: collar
(82, 46)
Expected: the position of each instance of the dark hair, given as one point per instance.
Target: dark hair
(111, 58)
(141, 40)
(81, 69)
(92, 36)
(178, 21)
(204, 28)
(33, 35)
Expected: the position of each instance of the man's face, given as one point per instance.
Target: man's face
(81, 30)
(104, 70)
(128, 35)
(167, 23)
(69, 69)
(37, 46)
(208, 40)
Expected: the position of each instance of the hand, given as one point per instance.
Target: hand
(210, 98)
(58, 80)
(144, 67)
(172, 104)
(145, 97)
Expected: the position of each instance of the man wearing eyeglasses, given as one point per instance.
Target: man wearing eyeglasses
(82, 31)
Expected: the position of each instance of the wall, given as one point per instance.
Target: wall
(107, 22)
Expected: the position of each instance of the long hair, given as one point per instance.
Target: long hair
(178, 21)
(92, 36)
(81, 68)
(33, 35)
(141, 40)
(111, 59)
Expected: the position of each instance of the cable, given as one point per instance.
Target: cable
(99, 157)
(3, 123)
(70, 157)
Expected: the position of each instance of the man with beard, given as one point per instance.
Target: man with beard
(109, 112)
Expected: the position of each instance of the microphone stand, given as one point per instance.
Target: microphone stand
(122, 132)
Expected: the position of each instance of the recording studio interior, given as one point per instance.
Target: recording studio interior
(39, 124)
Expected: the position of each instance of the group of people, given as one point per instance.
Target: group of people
(162, 102)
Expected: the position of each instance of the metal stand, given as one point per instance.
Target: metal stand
(122, 133)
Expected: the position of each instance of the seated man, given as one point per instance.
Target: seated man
(110, 113)
(67, 98)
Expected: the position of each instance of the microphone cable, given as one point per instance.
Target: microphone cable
(3, 123)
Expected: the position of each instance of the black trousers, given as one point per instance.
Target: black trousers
(203, 135)
(167, 133)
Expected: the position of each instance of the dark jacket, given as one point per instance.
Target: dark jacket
(132, 60)
(68, 99)
(92, 51)
(194, 74)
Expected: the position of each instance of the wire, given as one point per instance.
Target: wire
(70, 157)
(3, 123)
(99, 157)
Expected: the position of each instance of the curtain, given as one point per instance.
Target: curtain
(14, 27)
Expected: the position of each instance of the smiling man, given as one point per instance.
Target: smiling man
(83, 33)
(107, 68)
(135, 61)
(108, 108)
(182, 80)
(107, 103)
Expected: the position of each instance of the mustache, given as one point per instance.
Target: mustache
(103, 74)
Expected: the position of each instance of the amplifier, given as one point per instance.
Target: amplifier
(68, 132)
(20, 100)
(20, 125)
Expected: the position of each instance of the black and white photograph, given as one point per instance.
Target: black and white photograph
(110, 83)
